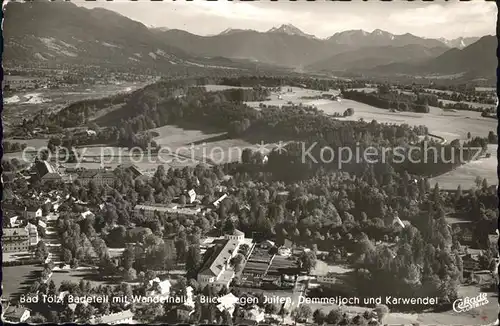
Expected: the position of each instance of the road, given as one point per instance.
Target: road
(52, 240)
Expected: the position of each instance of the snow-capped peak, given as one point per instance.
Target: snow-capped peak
(288, 29)
(228, 31)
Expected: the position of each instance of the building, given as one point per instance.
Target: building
(87, 214)
(284, 251)
(32, 212)
(216, 269)
(398, 221)
(42, 224)
(235, 235)
(16, 314)
(132, 169)
(15, 240)
(159, 288)
(99, 176)
(191, 196)
(228, 303)
(170, 209)
(266, 244)
(33, 234)
(122, 317)
(327, 279)
(15, 221)
(218, 201)
(46, 172)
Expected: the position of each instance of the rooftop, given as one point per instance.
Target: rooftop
(170, 208)
(44, 167)
(113, 318)
(215, 264)
(11, 232)
(94, 173)
(15, 312)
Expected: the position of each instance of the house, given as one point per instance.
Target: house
(132, 169)
(122, 317)
(228, 303)
(91, 132)
(32, 212)
(15, 221)
(397, 221)
(15, 240)
(266, 244)
(191, 196)
(256, 314)
(16, 314)
(235, 235)
(99, 176)
(218, 201)
(32, 234)
(189, 297)
(327, 279)
(159, 288)
(46, 172)
(215, 270)
(42, 224)
(86, 214)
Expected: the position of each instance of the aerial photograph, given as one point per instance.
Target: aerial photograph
(250, 163)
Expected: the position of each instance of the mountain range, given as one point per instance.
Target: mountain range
(477, 60)
(68, 34)
(55, 34)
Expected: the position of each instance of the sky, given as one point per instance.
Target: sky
(448, 19)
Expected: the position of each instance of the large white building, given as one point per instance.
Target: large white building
(216, 270)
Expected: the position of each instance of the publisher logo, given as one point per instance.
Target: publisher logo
(466, 304)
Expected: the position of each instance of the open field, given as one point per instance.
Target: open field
(26, 103)
(217, 88)
(20, 278)
(17, 256)
(323, 268)
(466, 174)
(449, 125)
(473, 104)
(82, 273)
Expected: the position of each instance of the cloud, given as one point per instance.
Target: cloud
(466, 18)
(323, 19)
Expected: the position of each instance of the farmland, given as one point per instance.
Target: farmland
(466, 174)
(449, 125)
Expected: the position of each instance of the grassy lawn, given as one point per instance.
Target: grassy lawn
(18, 279)
(74, 276)
(323, 268)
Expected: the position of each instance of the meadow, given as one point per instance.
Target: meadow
(446, 124)
(20, 278)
